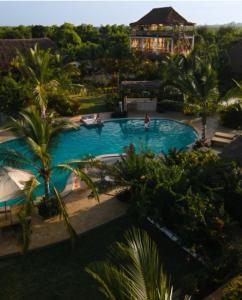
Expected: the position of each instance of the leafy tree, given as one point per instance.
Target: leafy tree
(13, 95)
(39, 31)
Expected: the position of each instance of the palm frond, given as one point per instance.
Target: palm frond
(110, 279)
(24, 214)
(64, 214)
(12, 158)
(133, 270)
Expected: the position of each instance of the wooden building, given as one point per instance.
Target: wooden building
(162, 30)
(9, 47)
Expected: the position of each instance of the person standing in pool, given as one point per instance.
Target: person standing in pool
(98, 119)
(146, 121)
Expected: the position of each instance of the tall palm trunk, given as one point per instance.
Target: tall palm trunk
(47, 187)
(204, 126)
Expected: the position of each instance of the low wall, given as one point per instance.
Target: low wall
(140, 104)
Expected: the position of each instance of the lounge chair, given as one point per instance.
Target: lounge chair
(222, 139)
(90, 120)
(220, 142)
(224, 135)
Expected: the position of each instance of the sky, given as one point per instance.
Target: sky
(14, 13)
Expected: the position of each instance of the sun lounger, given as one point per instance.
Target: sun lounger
(224, 135)
(220, 142)
(90, 120)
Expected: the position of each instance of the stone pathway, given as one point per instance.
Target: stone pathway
(85, 214)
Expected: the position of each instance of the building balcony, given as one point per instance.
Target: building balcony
(155, 51)
(162, 33)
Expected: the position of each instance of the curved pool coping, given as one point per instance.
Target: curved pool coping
(69, 184)
(159, 118)
(118, 119)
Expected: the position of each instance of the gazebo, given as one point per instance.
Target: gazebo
(132, 90)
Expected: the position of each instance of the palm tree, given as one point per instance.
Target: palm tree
(133, 271)
(200, 88)
(41, 136)
(235, 92)
(46, 74)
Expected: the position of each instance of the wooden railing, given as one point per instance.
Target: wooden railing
(161, 33)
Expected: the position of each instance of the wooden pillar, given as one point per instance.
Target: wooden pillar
(142, 44)
(193, 38)
(172, 45)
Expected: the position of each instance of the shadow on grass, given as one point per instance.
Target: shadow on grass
(58, 273)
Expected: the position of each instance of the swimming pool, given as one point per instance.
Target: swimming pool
(162, 135)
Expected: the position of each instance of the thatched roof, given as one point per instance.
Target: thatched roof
(235, 57)
(144, 85)
(233, 151)
(162, 15)
(9, 47)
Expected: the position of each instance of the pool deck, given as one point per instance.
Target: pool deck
(212, 123)
(86, 213)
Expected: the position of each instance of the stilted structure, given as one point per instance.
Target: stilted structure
(162, 30)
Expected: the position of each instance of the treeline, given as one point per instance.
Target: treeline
(77, 42)
(104, 57)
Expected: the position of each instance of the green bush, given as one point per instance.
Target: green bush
(111, 101)
(233, 290)
(169, 105)
(232, 116)
(64, 105)
(185, 191)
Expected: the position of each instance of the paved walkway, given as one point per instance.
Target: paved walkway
(85, 214)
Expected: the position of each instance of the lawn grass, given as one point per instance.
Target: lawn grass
(92, 104)
(56, 273)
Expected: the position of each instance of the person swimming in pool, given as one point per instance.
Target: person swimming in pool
(146, 121)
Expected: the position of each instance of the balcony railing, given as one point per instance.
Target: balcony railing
(152, 51)
(162, 33)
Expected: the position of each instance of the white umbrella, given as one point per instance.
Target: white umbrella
(12, 182)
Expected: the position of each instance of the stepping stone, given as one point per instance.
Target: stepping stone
(224, 135)
(220, 142)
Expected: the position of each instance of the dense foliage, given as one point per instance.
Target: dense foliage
(104, 60)
(191, 193)
(231, 116)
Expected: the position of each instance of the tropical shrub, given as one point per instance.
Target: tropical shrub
(185, 191)
(233, 290)
(111, 101)
(64, 105)
(169, 105)
(232, 116)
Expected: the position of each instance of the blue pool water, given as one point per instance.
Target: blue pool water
(161, 136)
